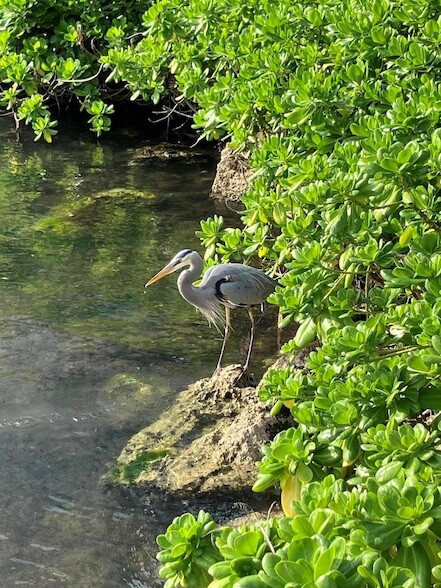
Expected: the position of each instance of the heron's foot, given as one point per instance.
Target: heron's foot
(217, 371)
(230, 375)
(244, 377)
(240, 377)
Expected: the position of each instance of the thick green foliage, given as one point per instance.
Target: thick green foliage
(383, 533)
(52, 51)
(187, 551)
(339, 106)
(338, 103)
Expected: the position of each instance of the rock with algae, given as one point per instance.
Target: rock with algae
(167, 151)
(209, 440)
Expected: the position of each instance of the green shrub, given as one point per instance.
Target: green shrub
(384, 532)
(50, 52)
(187, 551)
(338, 104)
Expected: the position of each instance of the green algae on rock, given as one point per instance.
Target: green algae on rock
(213, 434)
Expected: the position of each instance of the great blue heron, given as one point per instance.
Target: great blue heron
(229, 285)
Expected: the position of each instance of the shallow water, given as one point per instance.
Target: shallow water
(82, 228)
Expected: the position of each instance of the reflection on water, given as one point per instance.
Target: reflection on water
(88, 225)
(82, 227)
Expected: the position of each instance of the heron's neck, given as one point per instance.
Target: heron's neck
(188, 276)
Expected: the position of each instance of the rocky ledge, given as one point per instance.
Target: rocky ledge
(208, 441)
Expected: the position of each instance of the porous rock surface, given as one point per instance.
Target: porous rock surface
(233, 175)
(213, 434)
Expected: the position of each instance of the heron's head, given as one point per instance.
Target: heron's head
(179, 261)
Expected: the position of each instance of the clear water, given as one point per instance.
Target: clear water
(82, 228)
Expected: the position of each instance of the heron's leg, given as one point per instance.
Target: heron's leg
(250, 347)
(226, 335)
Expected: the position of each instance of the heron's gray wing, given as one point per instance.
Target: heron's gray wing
(215, 273)
(235, 284)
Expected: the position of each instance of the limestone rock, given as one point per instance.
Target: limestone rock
(232, 176)
(212, 436)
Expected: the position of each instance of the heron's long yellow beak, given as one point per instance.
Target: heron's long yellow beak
(161, 274)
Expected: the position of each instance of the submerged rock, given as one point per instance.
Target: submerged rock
(209, 440)
(167, 151)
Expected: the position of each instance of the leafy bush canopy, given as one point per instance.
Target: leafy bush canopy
(338, 105)
(51, 52)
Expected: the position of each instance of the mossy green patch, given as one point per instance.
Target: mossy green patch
(126, 388)
(129, 472)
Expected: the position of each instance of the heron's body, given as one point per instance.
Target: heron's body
(228, 285)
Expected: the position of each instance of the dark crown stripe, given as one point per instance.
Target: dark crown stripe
(184, 252)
